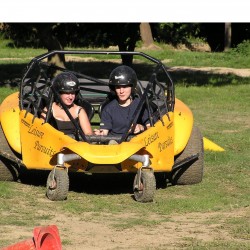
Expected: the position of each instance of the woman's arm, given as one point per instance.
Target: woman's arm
(84, 123)
(44, 113)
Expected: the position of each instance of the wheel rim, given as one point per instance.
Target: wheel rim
(147, 186)
(57, 185)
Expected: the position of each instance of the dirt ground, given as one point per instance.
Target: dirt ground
(84, 232)
(215, 70)
(169, 235)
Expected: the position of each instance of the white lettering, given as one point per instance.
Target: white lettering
(119, 77)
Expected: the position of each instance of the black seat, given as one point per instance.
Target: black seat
(108, 99)
(89, 109)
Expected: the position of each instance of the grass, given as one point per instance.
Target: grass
(222, 115)
(221, 111)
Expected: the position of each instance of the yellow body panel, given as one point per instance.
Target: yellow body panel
(105, 154)
(40, 142)
(9, 117)
(159, 143)
(183, 123)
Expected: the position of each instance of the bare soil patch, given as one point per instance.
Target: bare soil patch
(214, 70)
(86, 232)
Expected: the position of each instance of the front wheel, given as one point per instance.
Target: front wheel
(57, 185)
(144, 187)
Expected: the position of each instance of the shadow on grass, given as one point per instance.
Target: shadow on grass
(11, 74)
(84, 183)
(102, 183)
(194, 78)
(118, 183)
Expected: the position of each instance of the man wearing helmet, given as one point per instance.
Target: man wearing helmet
(67, 86)
(116, 115)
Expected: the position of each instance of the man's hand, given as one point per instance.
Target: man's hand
(139, 128)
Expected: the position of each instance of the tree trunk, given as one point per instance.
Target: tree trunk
(146, 34)
(228, 36)
(126, 37)
(51, 42)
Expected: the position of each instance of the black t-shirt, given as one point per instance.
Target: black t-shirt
(116, 118)
(67, 127)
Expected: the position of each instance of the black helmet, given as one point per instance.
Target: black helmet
(122, 76)
(66, 83)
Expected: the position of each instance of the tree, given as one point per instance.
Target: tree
(51, 42)
(217, 34)
(55, 36)
(125, 35)
(228, 34)
(146, 34)
(44, 35)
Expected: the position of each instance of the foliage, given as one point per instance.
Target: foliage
(70, 34)
(175, 33)
(125, 35)
(215, 34)
(56, 36)
(242, 49)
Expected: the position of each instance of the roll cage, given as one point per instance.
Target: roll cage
(37, 90)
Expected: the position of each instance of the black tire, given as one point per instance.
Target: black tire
(57, 187)
(145, 193)
(9, 170)
(191, 172)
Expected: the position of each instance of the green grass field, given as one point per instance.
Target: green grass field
(218, 207)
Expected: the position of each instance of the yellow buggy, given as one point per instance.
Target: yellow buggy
(172, 146)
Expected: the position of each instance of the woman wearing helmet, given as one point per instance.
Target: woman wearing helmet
(116, 115)
(67, 86)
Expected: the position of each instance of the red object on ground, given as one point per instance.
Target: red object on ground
(45, 238)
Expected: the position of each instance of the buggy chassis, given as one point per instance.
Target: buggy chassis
(172, 145)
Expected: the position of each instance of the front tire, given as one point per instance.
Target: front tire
(57, 186)
(191, 172)
(147, 186)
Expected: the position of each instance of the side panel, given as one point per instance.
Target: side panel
(9, 117)
(159, 143)
(183, 121)
(40, 141)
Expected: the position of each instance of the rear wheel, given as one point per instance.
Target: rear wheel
(9, 170)
(144, 190)
(57, 185)
(191, 172)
